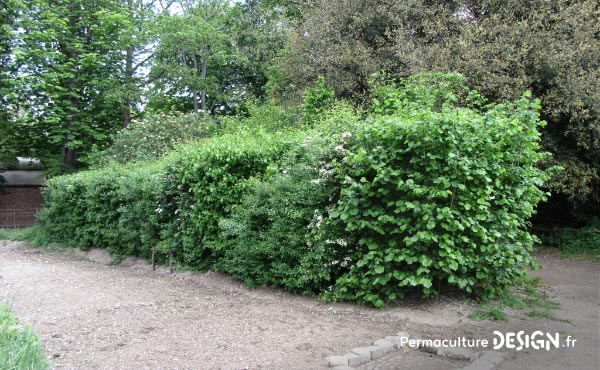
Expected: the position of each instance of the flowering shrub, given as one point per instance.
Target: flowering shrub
(280, 234)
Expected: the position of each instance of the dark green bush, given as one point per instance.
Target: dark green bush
(575, 242)
(109, 208)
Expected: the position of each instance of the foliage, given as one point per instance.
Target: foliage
(347, 41)
(20, 348)
(67, 59)
(280, 235)
(266, 116)
(317, 100)
(432, 191)
(552, 49)
(113, 207)
(153, 136)
(193, 48)
(548, 48)
(440, 195)
(204, 183)
(214, 55)
(174, 203)
(34, 235)
(582, 242)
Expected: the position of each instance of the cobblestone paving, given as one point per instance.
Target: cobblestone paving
(410, 359)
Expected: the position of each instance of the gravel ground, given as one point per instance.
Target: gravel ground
(90, 316)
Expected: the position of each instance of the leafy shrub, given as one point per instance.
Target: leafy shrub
(432, 191)
(204, 182)
(265, 116)
(280, 234)
(174, 204)
(440, 196)
(153, 136)
(316, 101)
(110, 208)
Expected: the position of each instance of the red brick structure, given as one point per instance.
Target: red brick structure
(21, 198)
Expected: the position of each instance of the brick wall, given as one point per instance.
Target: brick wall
(19, 205)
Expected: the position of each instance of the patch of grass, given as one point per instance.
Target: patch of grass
(524, 295)
(583, 243)
(13, 234)
(489, 312)
(20, 348)
(34, 235)
(546, 315)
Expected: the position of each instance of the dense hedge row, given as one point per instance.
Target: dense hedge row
(172, 205)
(432, 189)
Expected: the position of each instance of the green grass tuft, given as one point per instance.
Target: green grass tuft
(34, 235)
(524, 295)
(20, 348)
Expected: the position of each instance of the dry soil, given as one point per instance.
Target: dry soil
(90, 315)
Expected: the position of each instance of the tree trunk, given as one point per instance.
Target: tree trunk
(203, 92)
(194, 92)
(126, 117)
(69, 157)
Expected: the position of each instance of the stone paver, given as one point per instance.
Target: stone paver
(409, 359)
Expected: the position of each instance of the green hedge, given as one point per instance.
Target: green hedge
(174, 204)
(204, 182)
(440, 197)
(280, 235)
(431, 191)
(113, 208)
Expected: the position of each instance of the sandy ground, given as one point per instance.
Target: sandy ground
(90, 316)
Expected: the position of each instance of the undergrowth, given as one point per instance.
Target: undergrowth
(584, 243)
(34, 235)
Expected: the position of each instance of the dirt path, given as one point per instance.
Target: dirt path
(90, 315)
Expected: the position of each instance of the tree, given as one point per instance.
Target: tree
(8, 12)
(139, 51)
(191, 49)
(68, 57)
(347, 41)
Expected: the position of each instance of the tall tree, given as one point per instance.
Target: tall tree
(9, 10)
(139, 41)
(68, 55)
(193, 49)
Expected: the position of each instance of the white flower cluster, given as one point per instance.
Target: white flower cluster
(317, 220)
(344, 262)
(341, 242)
